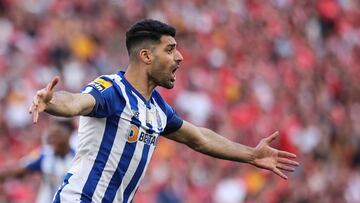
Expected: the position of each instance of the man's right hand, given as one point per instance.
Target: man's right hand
(42, 99)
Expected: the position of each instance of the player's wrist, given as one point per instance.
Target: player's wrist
(249, 156)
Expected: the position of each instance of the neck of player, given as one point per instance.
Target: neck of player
(139, 79)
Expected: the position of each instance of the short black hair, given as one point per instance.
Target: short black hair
(147, 30)
(66, 124)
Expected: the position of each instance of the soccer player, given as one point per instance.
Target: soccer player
(52, 162)
(122, 117)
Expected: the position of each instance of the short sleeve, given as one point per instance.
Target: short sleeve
(106, 96)
(34, 164)
(174, 122)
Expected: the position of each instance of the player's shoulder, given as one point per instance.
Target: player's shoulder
(106, 79)
(104, 82)
(35, 153)
(110, 77)
(47, 150)
(156, 96)
(159, 101)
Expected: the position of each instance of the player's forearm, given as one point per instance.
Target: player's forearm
(220, 147)
(14, 172)
(64, 104)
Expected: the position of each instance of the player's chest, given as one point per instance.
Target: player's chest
(150, 119)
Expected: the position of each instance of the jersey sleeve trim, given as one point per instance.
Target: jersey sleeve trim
(98, 100)
(176, 126)
(35, 165)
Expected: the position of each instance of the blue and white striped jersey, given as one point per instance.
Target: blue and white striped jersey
(52, 167)
(116, 142)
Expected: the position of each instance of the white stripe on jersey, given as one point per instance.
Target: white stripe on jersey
(115, 155)
(143, 174)
(135, 161)
(85, 156)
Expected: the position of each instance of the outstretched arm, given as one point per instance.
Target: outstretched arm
(210, 143)
(17, 171)
(60, 103)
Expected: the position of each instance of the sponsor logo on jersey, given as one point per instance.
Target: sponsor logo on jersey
(133, 133)
(147, 138)
(101, 84)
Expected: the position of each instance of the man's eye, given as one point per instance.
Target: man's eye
(170, 51)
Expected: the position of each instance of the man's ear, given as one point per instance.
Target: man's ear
(146, 56)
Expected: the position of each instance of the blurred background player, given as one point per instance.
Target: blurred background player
(52, 161)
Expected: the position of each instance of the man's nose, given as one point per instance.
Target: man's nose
(178, 56)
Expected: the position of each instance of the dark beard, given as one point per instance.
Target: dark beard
(160, 81)
(159, 78)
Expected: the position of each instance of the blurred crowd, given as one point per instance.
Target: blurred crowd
(250, 67)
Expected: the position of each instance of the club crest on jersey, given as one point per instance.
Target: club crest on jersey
(158, 118)
(101, 84)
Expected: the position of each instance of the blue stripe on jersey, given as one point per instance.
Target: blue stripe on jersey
(139, 171)
(35, 165)
(121, 169)
(156, 96)
(66, 181)
(127, 153)
(129, 86)
(173, 121)
(102, 156)
(133, 102)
